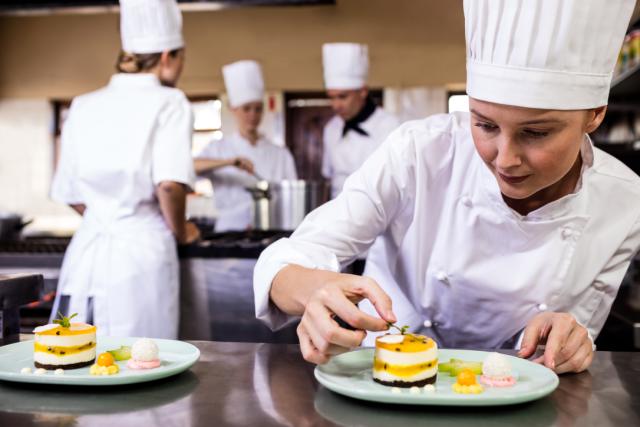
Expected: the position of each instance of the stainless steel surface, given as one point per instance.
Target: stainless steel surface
(283, 205)
(217, 303)
(236, 384)
(16, 290)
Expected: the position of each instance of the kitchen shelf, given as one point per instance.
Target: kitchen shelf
(626, 86)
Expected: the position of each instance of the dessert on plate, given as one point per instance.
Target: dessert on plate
(405, 360)
(144, 355)
(64, 345)
(496, 371)
(105, 365)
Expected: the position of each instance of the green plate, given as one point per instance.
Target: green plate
(176, 357)
(350, 374)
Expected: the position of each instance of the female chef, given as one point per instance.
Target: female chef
(498, 226)
(248, 154)
(126, 165)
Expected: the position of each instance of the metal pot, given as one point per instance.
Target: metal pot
(11, 225)
(283, 205)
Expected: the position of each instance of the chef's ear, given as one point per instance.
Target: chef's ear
(595, 116)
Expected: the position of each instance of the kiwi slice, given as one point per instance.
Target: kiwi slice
(454, 366)
(122, 353)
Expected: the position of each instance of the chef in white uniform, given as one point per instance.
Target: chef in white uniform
(238, 160)
(126, 166)
(359, 126)
(501, 225)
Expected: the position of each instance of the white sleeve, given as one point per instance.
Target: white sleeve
(171, 151)
(333, 235)
(64, 187)
(604, 289)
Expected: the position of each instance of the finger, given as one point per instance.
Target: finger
(576, 339)
(561, 328)
(369, 288)
(325, 331)
(532, 334)
(308, 350)
(338, 303)
(578, 362)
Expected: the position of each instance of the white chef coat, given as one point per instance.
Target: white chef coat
(344, 155)
(458, 263)
(118, 143)
(233, 201)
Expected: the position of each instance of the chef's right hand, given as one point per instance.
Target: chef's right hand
(191, 234)
(244, 164)
(320, 335)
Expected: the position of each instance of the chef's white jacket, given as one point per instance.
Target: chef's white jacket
(343, 155)
(118, 143)
(233, 201)
(458, 263)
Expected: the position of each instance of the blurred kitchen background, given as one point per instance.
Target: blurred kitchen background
(51, 51)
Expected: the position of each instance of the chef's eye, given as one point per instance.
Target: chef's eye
(486, 127)
(536, 134)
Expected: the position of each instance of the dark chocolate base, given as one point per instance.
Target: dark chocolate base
(407, 384)
(71, 366)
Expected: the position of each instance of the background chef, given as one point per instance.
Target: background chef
(126, 166)
(359, 126)
(499, 225)
(241, 158)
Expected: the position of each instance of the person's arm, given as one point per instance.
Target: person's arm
(299, 276)
(569, 337)
(172, 198)
(203, 165)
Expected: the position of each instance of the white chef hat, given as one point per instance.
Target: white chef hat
(243, 80)
(150, 26)
(346, 65)
(549, 54)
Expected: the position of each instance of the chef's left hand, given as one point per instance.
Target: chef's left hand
(568, 347)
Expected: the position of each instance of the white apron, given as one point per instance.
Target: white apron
(118, 143)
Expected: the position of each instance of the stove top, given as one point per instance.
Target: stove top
(240, 244)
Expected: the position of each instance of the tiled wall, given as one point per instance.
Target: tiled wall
(26, 160)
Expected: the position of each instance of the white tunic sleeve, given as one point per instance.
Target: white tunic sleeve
(604, 289)
(64, 187)
(171, 155)
(337, 232)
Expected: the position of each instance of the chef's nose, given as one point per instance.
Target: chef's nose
(508, 156)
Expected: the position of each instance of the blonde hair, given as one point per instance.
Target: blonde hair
(139, 62)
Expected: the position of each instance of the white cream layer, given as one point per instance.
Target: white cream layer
(386, 376)
(65, 340)
(403, 359)
(52, 359)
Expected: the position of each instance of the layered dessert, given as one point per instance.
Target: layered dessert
(64, 345)
(405, 360)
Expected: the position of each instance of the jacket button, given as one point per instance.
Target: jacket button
(442, 276)
(566, 233)
(427, 323)
(542, 307)
(599, 286)
(466, 201)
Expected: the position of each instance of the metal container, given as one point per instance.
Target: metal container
(11, 226)
(283, 205)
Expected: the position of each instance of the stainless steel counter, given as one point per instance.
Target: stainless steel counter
(239, 384)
